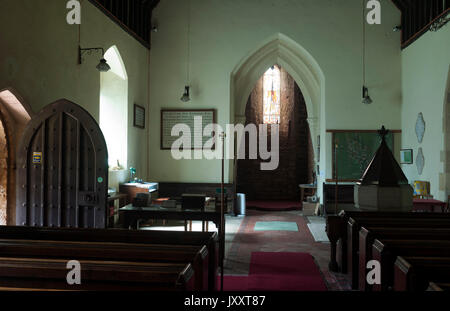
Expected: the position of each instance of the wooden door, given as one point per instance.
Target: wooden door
(62, 170)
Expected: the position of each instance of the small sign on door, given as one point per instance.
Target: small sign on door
(37, 157)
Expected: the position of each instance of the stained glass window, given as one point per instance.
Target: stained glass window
(271, 99)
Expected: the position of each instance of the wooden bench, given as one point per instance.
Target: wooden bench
(112, 251)
(209, 239)
(354, 225)
(438, 287)
(415, 273)
(336, 229)
(368, 234)
(386, 253)
(45, 274)
(345, 198)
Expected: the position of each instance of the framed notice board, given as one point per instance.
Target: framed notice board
(139, 116)
(172, 117)
(355, 149)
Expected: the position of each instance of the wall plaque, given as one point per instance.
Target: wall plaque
(420, 127)
(172, 117)
(420, 161)
(139, 116)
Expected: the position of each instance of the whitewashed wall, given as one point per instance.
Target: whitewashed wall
(225, 33)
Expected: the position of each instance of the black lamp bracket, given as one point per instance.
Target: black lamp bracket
(82, 51)
(364, 91)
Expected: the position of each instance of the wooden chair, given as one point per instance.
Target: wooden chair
(447, 207)
(422, 190)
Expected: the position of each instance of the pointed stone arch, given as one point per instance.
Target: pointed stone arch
(115, 61)
(284, 51)
(300, 64)
(15, 114)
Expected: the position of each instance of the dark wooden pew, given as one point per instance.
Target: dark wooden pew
(386, 253)
(438, 287)
(336, 229)
(355, 223)
(96, 275)
(368, 234)
(112, 251)
(123, 236)
(345, 198)
(415, 273)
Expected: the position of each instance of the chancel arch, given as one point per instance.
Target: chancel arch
(299, 64)
(14, 116)
(277, 100)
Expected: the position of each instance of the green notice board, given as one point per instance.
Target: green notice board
(354, 152)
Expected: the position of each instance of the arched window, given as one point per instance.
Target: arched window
(271, 98)
(114, 109)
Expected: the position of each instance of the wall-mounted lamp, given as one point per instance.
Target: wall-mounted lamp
(366, 98)
(185, 98)
(397, 28)
(102, 66)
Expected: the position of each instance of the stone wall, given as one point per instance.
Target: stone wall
(3, 175)
(296, 155)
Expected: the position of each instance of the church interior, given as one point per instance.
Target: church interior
(202, 145)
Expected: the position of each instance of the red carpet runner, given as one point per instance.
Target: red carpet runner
(278, 272)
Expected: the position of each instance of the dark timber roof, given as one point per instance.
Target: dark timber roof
(134, 16)
(418, 15)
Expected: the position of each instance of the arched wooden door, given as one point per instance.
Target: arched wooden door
(62, 170)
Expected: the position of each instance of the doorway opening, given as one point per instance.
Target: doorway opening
(277, 99)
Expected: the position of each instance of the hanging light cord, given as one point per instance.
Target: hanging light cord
(189, 43)
(364, 43)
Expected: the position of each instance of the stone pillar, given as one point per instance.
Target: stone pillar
(3, 175)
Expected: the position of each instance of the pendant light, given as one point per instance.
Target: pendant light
(186, 97)
(365, 91)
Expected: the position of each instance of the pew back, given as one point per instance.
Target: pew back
(159, 238)
(44, 273)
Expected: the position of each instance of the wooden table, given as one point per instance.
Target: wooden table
(306, 186)
(132, 215)
(429, 205)
(113, 214)
(132, 189)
